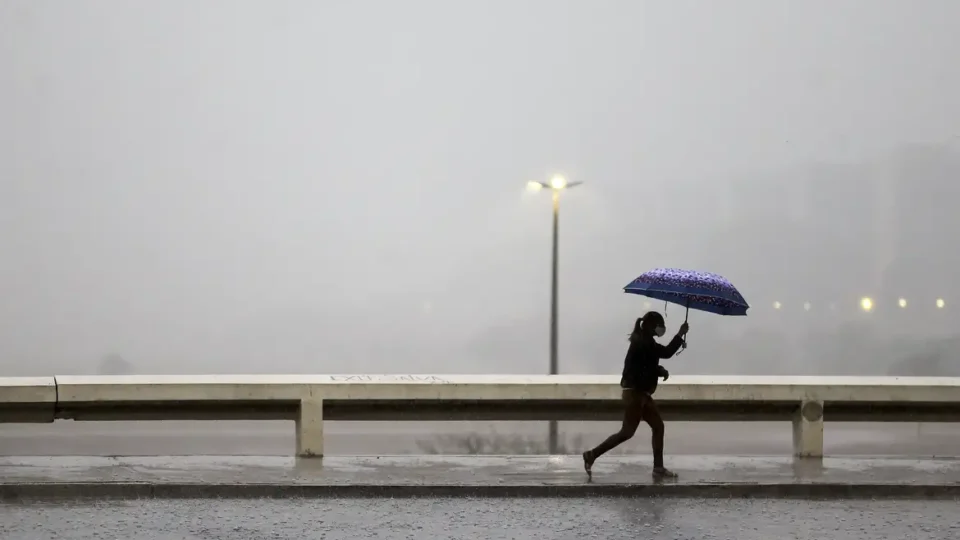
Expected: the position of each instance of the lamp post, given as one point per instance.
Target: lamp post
(555, 185)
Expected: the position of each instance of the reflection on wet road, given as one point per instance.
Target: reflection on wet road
(477, 471)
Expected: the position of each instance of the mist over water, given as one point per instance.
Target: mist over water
(249, 187)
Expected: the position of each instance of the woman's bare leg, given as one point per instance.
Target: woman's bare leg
(634, 403)
(651, 414)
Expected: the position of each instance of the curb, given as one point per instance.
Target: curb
(11, 492)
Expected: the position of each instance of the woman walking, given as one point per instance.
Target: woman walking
(641, 371)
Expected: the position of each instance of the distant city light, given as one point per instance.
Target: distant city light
(867, 304)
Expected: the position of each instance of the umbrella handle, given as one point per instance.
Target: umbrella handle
(686, 317)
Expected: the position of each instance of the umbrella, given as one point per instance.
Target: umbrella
(701, 291)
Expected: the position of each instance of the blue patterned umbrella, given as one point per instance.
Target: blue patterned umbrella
(702, 291)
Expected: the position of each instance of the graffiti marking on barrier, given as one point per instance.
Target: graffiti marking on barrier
(388, 378)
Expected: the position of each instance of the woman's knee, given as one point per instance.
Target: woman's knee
(656, 426)
(627, 432)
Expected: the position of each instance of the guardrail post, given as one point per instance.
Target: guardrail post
(808, 430)
(310, 429)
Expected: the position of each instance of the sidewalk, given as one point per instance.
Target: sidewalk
(437, 476)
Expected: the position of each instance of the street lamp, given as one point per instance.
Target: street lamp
(555, 185)
(866, 304)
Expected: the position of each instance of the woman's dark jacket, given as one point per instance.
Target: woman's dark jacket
(641, 367)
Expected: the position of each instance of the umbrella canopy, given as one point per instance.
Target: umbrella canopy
(701, 291)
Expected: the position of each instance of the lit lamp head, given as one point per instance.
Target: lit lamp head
(556, 184)
(866, 304)
(941, 303)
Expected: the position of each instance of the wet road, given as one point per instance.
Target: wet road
(528, 519)
(364, 438)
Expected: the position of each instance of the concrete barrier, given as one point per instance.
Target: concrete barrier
(311, 399)
(27, 399)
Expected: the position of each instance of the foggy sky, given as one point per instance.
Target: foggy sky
(337, 186)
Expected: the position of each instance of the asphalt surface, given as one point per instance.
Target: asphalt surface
(442, 518)
(366, 438)
(318, 501)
